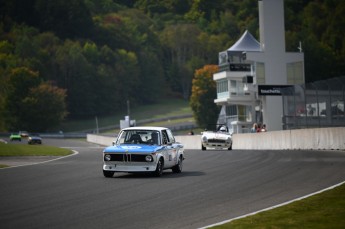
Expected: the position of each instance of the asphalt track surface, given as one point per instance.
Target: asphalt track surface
(214, 186)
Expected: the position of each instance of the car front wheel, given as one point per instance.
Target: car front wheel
(178, 168)
(159, 168)
(203, 147)
(108, 173)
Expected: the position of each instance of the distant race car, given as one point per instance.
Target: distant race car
(219, 139)
(143, 149)
(15, 137)
(24, 134)
(34, 139)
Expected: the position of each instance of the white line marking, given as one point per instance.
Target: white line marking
(275, 206)
(42, 162)
(81, 147)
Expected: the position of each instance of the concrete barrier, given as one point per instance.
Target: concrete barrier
(188, 141)
(99, 139)
(318, 138)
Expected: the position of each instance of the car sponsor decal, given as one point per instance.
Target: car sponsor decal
(131, 147)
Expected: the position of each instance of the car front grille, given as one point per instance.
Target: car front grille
(216, 141)
(127, 157)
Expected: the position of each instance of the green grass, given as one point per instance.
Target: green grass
(31, 150)
(324, 210)
(163, 108)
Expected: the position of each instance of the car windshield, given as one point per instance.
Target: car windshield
(149, 137)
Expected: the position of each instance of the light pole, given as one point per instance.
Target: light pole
(128, 113)
(97, 130)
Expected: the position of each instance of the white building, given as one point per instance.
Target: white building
(253, 74)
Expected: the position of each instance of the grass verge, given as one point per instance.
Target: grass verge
(324, 210)
(163, 108)
(166, 124)
(31, 150)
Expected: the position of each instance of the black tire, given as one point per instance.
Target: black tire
(178, 168)
(108, 173)
(159, 168)
(230, 148)
(203, 147)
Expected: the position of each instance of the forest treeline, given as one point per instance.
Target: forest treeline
(81, 58)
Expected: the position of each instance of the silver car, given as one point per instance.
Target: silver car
(219, 139)
(143, 149)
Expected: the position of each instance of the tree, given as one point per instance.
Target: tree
(324, 43)
(152, 80)
(104, 52)
(317, 25)
(182, 44)
(18, 82)
(203, 94)
(68, 19)
(78, 76)
(161, 7)
(44, 108)
(31, 104)
(127, 71)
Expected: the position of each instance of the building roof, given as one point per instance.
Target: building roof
(246, 43)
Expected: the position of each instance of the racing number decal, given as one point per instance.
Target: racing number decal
(173, 155)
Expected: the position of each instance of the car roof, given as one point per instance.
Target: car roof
(146, 128)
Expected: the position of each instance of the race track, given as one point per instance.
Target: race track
(214, 186)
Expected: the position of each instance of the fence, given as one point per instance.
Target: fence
(314, 105)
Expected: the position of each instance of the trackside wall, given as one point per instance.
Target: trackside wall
(318, 138)
(188, 141)
(99, 139)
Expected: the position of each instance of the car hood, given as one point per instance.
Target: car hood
(216, 135)
(35, 137)
(132, 148)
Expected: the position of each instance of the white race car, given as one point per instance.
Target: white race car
(143, 149)
(220, 139)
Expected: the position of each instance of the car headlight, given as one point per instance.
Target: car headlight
(107, 157)
(228, 140)
(149, 158)
(204, 139)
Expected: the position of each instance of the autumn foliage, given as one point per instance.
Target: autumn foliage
(204, 92)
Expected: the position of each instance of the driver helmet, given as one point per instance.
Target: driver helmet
(223, 129)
